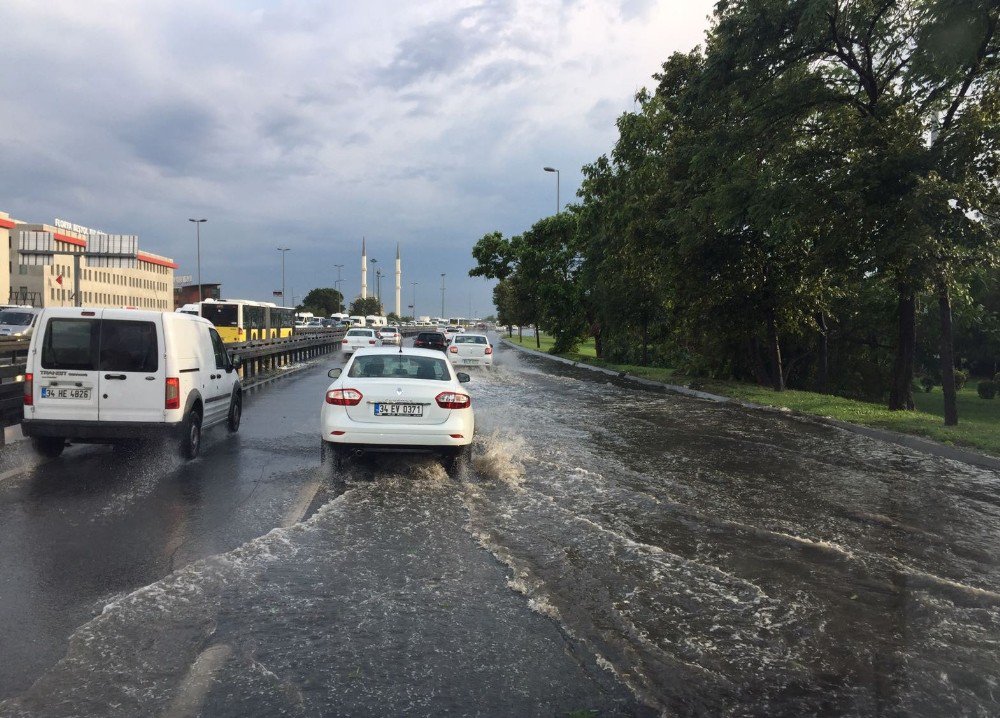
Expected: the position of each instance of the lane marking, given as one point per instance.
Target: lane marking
(298, 509)
(193, 690)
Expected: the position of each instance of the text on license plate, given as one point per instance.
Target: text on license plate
(399, 410)
(49, 392)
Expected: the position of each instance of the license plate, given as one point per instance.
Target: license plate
(399, 410)
(67, 393)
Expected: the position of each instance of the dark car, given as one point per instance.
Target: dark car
(431, 340)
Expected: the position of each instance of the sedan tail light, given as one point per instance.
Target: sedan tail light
(453, 400)
(172, 396)
(371, 341)
(489, 350)
(347, 341)
(453, 350)
(29, 390)
(344, 397)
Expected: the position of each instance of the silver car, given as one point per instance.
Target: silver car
(18, 321)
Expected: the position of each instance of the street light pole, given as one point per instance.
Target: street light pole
(413, 307)
(558, 203)
(337, 283)
(283, 250)
(442, 295)
(201, 288)
(378, 286)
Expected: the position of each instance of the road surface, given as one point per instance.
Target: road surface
(612, 551)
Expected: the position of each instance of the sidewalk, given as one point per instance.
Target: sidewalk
(917, 443)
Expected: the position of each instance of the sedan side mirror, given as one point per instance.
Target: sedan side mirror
(463, 378)
(335, 373)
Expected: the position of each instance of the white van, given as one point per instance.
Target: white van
(116, 375)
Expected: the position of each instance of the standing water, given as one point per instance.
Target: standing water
(610, 550)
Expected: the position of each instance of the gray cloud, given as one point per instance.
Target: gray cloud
(445, 46)
(175, 136)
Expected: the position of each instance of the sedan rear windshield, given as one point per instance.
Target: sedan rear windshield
(460, 339)
(360, 333)
(430, 337)
(105, 345)
(399, 366)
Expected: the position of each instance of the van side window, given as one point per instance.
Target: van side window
(71, 344)
(128, 346)
(221, 355)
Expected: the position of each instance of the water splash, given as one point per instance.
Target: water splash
(498, 457)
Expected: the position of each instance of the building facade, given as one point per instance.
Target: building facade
(149, 285)
(6, 264)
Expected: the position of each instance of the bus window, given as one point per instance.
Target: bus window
(221, 315)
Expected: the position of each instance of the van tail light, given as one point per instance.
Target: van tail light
(453, 350)
(173, 393)
(453, 400)
(343, 397)
(489, 350)
(29, 389)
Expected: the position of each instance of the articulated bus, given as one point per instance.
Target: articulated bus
(242, 320)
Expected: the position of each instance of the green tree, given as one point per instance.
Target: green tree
(365, 307)
(323, 301)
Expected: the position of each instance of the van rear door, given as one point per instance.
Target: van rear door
(65, 362)
(132, 368)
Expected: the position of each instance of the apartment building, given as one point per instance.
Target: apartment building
(149, 285)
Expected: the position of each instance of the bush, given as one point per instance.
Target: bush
(927, 383)
(986, 389)
(961, 379)
(996, 379)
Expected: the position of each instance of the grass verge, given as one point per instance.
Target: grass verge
(979, 419)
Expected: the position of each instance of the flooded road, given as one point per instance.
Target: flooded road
(612, 551)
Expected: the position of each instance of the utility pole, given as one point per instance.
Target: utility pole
(337, 285)
(413, 307)
(283, 250)
(442, 295)
(201, 288)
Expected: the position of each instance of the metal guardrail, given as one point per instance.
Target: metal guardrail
(13, 357)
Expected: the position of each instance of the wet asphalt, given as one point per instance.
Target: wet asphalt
(611, 551)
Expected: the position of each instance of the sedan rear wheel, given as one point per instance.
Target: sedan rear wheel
(457, 462)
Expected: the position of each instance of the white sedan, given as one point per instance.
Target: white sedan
(390, 335)
(398, 400)
(471, 350)
(360, 339)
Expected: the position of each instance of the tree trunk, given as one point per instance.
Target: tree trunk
(774, 349)
(595, 331)
(520, 334)
(901, 391)
(538, 336)
(947, 353)
(759, 369)
(645, 341)
(823, 359)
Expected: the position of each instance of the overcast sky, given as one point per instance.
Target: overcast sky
(308, 124)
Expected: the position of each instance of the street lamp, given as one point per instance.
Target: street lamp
(553, 169)
(283, 250)
(378, 286)
(339, 280)
(197, 224)
(413, 307)
(442, 295)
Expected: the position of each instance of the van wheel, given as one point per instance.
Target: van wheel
(49, 446)
(191, 435)
(235, 412)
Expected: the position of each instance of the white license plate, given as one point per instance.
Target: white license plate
(399, 410)
(469, 361)
(49, 392)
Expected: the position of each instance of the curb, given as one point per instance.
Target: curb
(910, 441)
